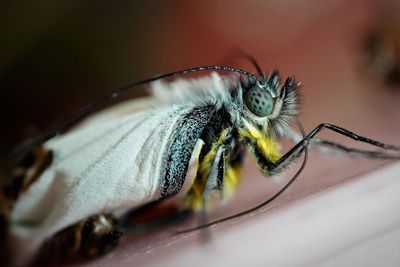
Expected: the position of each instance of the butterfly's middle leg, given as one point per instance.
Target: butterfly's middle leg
(217, 177)
(217, 174)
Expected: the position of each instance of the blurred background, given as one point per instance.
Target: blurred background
(57, 56)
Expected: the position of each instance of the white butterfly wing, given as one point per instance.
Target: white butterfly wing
(118, 159)
(108, 164)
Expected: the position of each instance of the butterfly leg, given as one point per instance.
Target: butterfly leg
(91, 237)
(217, 175)
(339, 150)
(336, 149)
(209, 172)
(269, 167)
(213, 187)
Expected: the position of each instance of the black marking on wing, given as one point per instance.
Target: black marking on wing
(221, 172)
(188, 132)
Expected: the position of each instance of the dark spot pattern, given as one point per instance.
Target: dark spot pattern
(259, 101)
(187, 133)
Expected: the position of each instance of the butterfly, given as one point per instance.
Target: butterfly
(83, 183)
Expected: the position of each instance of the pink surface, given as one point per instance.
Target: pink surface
(354, 224)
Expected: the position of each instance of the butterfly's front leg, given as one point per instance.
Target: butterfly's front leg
(270, 165)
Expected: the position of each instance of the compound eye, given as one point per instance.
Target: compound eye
(259, 101)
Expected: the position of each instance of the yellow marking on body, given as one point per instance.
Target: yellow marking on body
(194, 198)
(231, 179)
(268, 146)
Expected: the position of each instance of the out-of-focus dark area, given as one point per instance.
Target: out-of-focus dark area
(56, 56)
